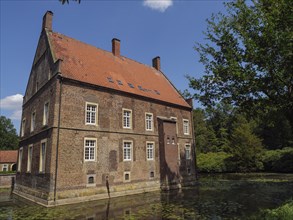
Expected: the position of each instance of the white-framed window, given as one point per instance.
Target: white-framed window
(126, 177)
(46, 113)
(5, 167)
(187, 152)
(149, 121)
(33, 121)
(91, 113)
(90, 149)
(43, 156)
(127, 150)
(19, 159)
(150, 151)
(185, 126)
(29, 158)
(22, 127)
(127, 118)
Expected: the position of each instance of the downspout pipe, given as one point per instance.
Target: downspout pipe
(58, 134)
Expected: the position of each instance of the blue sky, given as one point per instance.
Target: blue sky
(147, 29)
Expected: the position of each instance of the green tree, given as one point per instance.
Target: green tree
(248, 57)
(8, 137)
(245, 147)
(275, 130)
(205, 138)
(219, 118)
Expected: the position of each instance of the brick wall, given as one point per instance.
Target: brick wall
(6, 180)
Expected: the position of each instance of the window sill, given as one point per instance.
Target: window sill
(91, 124)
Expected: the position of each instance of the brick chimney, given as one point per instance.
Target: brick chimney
(116, 47)
(47, 21)
(157, 63)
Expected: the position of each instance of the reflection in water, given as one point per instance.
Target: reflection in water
(228, 196)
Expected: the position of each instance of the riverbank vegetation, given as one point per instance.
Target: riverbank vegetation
(230, 141)
(284, 212)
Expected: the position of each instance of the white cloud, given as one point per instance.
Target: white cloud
(16, 115)
(13, 105)
(160, 5)
(12, 102)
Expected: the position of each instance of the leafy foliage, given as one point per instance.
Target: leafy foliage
(275, 129)
(248, 57)
(278, 160)
(213, 162)
(246, 147)
(8, 136)
(206, 140)
(284, 212)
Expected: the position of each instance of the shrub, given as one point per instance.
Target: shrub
(284, 212)
(212, 162)
(278, 160)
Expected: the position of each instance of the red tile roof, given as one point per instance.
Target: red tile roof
(8, 156)
(89, 64)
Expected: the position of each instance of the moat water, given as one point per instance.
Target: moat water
(229, 196)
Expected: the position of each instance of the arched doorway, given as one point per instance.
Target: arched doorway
(13, 167)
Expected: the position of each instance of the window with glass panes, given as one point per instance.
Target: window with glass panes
(23, 127)
(127, 148)
(149, 121)
(46, 113)
(187, 152)
(91, 114)
(42, 156)
(29, 158)
(5, 167)
(126, 118)
(89, 150)
(33, 121)
(150, 151)
(19, 159)
(186, 127)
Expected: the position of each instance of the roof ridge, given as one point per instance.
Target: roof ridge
(109, 52)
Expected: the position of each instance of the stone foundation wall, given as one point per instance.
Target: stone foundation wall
(6, 180)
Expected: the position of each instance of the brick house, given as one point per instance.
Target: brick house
(97, 124)
(8, 159)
